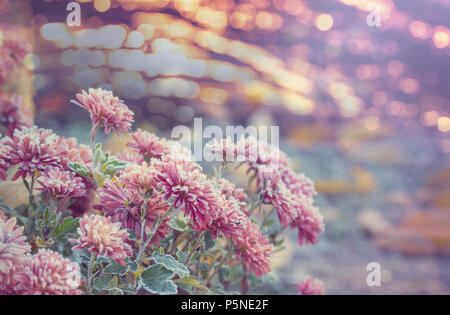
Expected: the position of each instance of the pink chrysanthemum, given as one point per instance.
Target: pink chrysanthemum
(133, 157)
(14, 113)
(187, 187)
(62, 184)
(230, 191)
(13, 248)
(254, 250)
(125, 206)
(231, 221)
(68, 150)
(149, 145)
(105, 109)
(311, 286)
(102, 237)
(5, 152)
(48, 273)
(32, 149)
(309, 224)
(138, 177)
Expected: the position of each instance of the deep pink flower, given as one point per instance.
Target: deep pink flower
(309, 224)
(230, 221)
(62, 184)
(13, 248)
(102, 237)
(183, 183)
(254, 250)
(149, 145)
(47, 273)
(105, 109)
(311, 286)
(14, 113)
(125, 206)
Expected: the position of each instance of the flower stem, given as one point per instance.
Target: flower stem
(158, 223)
(30, 202)
(89, 277)
(194, 248)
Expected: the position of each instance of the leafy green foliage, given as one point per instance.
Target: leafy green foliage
(156, 279)
(170, 263)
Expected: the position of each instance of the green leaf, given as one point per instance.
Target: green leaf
(102, 283)
(156, 279)
(170, 263)
(268, 223)
(133, 266)
(178, 224)
(115, 291)
(68, 225)
(115, 268)
(190, 282)
(182, 256)
(209, 241)
(13, 212)
(79, 169)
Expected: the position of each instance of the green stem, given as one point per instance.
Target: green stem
(194, 248)
(30, 189)
(89, 277)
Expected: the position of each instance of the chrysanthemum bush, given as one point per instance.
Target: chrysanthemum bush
(147, 219)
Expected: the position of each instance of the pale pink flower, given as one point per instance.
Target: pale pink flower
(187, 188)
(13, 248)
(62, 184)
(13, 50)
(125, 206)
(102, 237)
(105, 109)
(138, 177)
(230, 221)
(68, 150)
(149, 145)
(254, 250)
(47, 273)
(311, 286)
(133, 157)
(32, 149)
(5, 152)
(230, 191)
(14, 113)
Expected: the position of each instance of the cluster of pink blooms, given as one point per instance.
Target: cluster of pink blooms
(62, 184)
(311, 286)
(46, 272)
(102, 237)
(14, 113)
(13, 50)
(291, 194)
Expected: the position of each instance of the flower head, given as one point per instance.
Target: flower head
(187, 187)
(254, 250)
(149, 145)
(99, 235)
(105, 109)
(13, 248)
(309, 224)
(230, 221)
(5, 151)
(32, 149)
(47, 273)
(62, 184)
(138, 177)
(15, 114)
(311, 286)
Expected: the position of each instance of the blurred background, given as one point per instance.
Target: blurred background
(359, 88)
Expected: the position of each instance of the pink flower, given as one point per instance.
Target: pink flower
(125, 206)
(102, 237)
(5, 151)
(254, 250)
(32, 149)
(105, 109)
(13, 248)
(62, 184)
(230, 191)
(309, 224)
(149, 145)
(311, 286)
(68, 150)
(133, 157)
(138, 177)
(48, 273)
(14, 113)
(183, 183)
(13, 50)
(231, 221)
